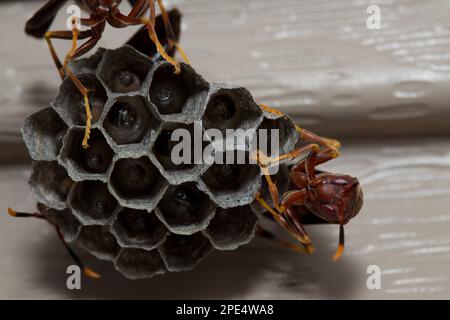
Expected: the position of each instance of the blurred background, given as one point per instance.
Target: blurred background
(384, 92)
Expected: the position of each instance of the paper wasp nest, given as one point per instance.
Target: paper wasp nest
(123, 199)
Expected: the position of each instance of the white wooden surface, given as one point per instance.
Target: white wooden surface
(317, 61)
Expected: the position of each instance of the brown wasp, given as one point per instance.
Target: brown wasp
(102, 12)
(333, 198)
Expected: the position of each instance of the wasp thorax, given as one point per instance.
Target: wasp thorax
(134, 177)
(126, 81)
(167, 92)
(221, 108)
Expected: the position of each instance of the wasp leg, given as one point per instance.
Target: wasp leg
(171, 38)
(265, 162)
(152, 34)
(75, 52)
(65, 35)
(305, 134)
(287, 225)
(132, 19)
(272, 110)
(263, 233)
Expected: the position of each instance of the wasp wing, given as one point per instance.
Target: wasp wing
(141, 40)
(40, 22)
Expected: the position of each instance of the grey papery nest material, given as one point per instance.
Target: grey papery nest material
(123, 199)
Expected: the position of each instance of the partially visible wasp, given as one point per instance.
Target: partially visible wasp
(333, 198)
(101, 13)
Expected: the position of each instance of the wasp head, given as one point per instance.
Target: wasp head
(335, 198)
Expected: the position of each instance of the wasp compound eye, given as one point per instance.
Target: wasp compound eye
(126, 81)
(128, 121)
(167, 92)
(221, 108)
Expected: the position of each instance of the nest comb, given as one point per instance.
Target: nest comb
(123, 199)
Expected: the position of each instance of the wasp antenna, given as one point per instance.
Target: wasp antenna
(91, 273)
(340, 249)
(309, 248)
(12, 213)
(16, 214)
(87, 271)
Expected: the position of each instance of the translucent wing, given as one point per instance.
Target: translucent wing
(40, 22)
(141, 40)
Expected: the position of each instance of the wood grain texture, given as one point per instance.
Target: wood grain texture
(316, 60)
(403, 228)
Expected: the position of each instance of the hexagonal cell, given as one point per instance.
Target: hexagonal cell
(130, 121)
(189, 153)
(182, 253)
(178, 97)
(185, 209)
(87, 65)
(91, 163)
(138, 228)
(92, 203)
(137, 183)
(232, 227)
(230, 107)
(50, 183)
(124, 69)
(43, 132)
(281, 180)
(63, 219)
(232, 180)
(139, 263)
(98, 241)
(287, 134)
(70, 102)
